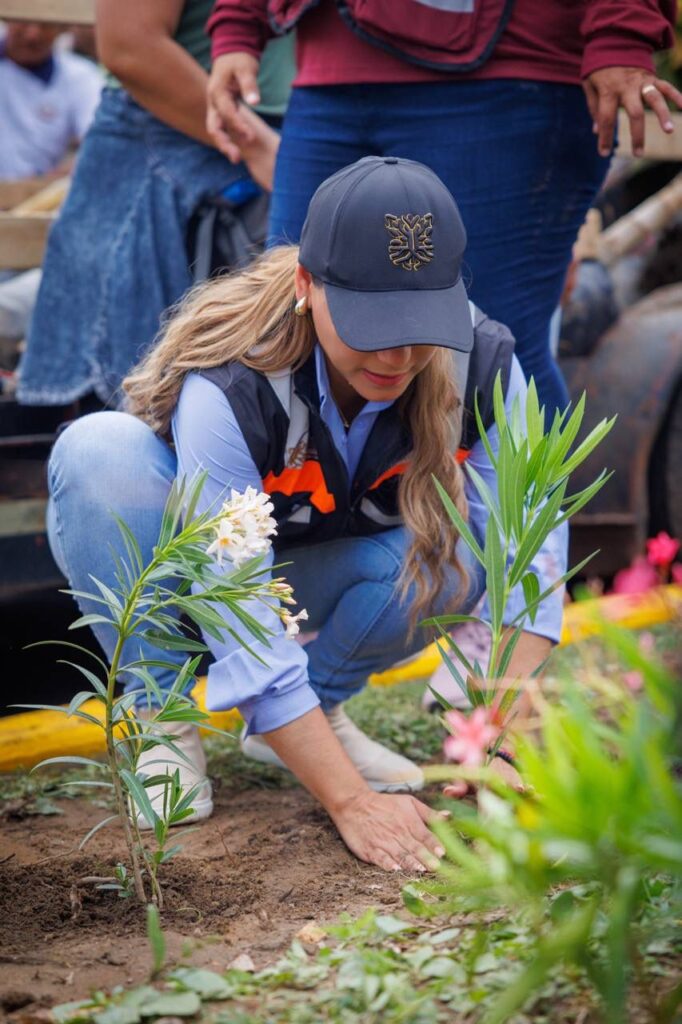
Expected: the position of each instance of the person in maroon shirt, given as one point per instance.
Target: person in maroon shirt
(510, 135)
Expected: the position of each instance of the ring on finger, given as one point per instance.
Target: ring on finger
(646, 89)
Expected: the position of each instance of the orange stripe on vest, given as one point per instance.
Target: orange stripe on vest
(460, 455)
(299, 479)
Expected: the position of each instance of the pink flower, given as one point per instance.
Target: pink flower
(661, 549)
(471, 736)
(676, 573)
(640, 576)
(633, 680)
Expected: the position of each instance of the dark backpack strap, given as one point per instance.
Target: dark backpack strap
(224, 236)
(492, 352)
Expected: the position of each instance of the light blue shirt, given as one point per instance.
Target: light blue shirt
(207, 437)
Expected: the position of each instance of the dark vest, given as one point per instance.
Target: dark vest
(301, 469)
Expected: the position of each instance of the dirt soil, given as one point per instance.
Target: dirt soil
(247, 881)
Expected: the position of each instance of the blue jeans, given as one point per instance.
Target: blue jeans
(519, 157)
(117, 255)
(110, 462)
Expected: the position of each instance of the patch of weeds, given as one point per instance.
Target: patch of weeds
(25, 795)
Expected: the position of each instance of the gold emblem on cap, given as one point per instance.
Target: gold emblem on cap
(410, 246)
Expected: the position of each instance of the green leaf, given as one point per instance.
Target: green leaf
(535, 417)
(171, 643)
(448, 620)
(139, 796)
(508, 651)
(487, 497)
(535, 535)
(498, 403)
(494, 574)
(453, 670)
(207, 984)
(566, 439)
(78, 700)
(41, 707)
(459, 522)
(531, 591)
(90, 620)
(117, 1013)
(578, 501)
(96, 683)
(132, 547)
(482, 432)
(70, 759)
(75, 647)
(112, 599)
(79, 1010)
(157, 944)
(172, 1004)
(594, 438)
(97, 827)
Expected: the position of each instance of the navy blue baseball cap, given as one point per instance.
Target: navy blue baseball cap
(385, 238)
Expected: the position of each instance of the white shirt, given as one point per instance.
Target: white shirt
(40, 119)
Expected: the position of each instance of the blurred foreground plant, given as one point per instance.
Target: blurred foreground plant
(581, 852)
(181, 578)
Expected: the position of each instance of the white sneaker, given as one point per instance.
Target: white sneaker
(162, 761)
(383, 770)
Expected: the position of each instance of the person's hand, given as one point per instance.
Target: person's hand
(634, 89)
(389, 830)
(260, 155)
(233, 81)
(506, 772)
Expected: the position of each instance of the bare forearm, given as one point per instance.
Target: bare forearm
(312, 752)
(164, 79)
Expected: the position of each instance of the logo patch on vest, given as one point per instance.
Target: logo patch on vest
(410, 246)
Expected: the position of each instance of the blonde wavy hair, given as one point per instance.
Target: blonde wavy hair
(249, 318)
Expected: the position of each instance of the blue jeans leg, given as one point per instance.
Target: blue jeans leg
(349, 589)
(105, 463)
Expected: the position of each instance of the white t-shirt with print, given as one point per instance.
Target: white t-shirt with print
(39, 120)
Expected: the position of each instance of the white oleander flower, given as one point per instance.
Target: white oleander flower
(291, 622)
(244, 530)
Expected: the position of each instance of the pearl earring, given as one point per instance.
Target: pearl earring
(301, 307)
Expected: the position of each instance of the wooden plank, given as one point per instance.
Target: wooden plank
(657, 145)
(22, 240)
(17, 191)
(71, 12)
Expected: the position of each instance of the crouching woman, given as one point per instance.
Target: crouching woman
(340, 380)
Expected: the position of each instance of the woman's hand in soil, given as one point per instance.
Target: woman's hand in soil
(389, 830)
